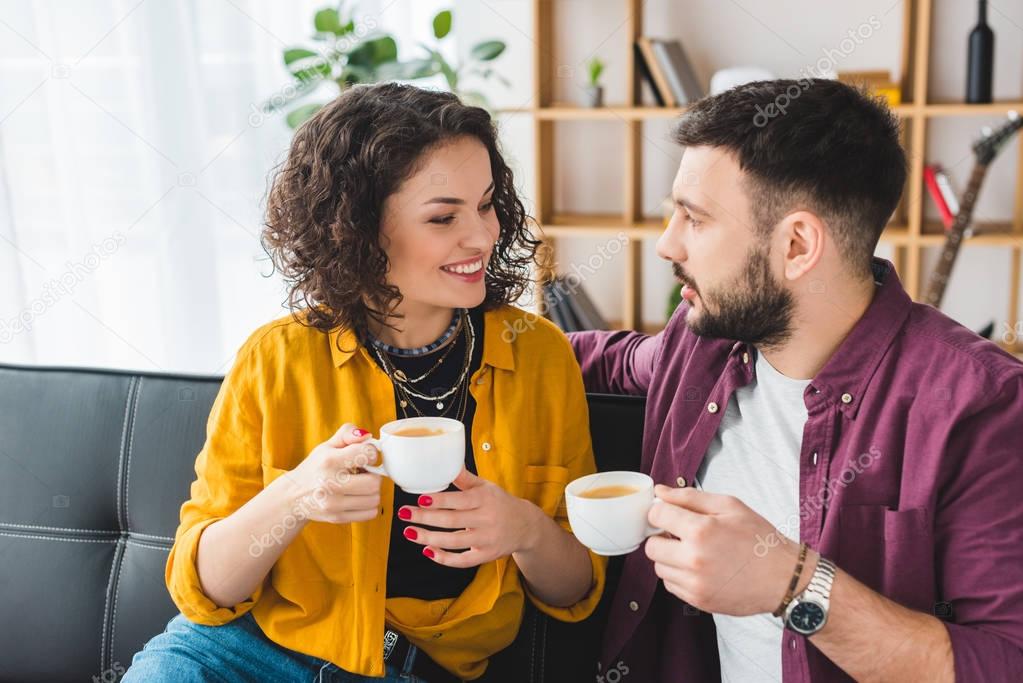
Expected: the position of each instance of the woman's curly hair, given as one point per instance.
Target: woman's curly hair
(326, 201)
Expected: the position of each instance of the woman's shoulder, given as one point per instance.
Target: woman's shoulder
(531, 335)
(290, 335)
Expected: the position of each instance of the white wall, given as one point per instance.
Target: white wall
(786, 37)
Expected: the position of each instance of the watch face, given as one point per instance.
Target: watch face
(807, 617)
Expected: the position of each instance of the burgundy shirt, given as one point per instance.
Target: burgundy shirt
(910, 480)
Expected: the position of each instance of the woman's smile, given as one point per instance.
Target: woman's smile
(470, 270)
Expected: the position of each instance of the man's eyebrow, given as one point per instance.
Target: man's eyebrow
(682, 201)
(454, 200)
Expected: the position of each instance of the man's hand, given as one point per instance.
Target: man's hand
(725, 558)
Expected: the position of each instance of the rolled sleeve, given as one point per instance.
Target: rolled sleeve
(980, 539)
(616, 362)
(186, 589)
(623, 362)
(228, 474)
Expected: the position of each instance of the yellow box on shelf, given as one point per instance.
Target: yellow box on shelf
(877, 82)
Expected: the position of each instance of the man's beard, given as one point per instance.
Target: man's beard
(754, 308)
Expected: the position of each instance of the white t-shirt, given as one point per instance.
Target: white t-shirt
(755, 457)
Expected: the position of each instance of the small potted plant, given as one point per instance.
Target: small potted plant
(594, 90)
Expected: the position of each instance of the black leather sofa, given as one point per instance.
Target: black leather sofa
(94, 466)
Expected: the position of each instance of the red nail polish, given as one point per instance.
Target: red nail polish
(425, 501)
(359, 432)
(404, 513)
(429, 553)
(411, 534)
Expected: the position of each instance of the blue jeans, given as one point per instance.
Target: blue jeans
(187, 652)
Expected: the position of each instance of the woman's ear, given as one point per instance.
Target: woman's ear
(803, 233)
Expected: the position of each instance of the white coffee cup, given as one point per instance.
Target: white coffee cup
(421, 464)
(611, 526)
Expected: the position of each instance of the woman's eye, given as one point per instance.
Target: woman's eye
(487, 207)
(443, 220)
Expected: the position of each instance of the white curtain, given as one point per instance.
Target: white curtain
(133, 168)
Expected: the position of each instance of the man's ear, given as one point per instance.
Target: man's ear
(803, 233)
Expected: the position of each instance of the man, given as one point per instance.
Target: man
(798, 396)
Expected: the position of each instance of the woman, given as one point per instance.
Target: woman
(396, 224)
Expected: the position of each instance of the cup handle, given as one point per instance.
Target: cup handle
(652, 530)
(376, 469)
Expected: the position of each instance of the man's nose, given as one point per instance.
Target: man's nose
(669, 244)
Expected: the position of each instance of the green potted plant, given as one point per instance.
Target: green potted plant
(477, 63)
(594, 90)
(347, 51)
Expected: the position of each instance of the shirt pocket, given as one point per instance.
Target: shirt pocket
(545, 487)
(891, 551)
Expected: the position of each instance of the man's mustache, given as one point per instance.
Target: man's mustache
(683, 277)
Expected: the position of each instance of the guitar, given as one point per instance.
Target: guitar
(984, 150)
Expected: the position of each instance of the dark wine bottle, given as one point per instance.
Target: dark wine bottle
(981, 64)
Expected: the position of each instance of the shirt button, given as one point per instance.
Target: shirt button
(846, 398)
(681, 481)
(792, 643)
(712, 407)
(634, 606)
(480, 381)
(813, 458)
(486, 446)
(745, 357)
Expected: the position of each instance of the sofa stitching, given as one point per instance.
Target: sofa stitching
(532, 649)
(18, 534)
(117, 591)
(148, 545)
(120, 455)
(59, 528)
(43, 527)
(159, 538)
(543, 651)
(106, 603)
(131, 447)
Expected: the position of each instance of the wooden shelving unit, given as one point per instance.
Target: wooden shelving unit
(909, 233)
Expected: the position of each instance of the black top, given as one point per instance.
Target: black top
(409, 572)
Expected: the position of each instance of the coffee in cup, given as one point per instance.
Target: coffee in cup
(613, 491)
(421, 454)
(608, 511)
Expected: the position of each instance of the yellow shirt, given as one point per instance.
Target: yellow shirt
(289, 390)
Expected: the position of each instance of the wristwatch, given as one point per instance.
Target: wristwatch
(808, 611)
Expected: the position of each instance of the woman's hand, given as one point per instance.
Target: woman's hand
(487, 520)
(328, 485)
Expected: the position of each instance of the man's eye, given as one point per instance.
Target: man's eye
(692, 221)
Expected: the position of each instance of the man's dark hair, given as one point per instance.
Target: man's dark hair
(812, 143)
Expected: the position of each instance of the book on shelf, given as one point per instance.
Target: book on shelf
(670, 73)
(570, 308)
(685, 87)
(939, 187)
(644, 70)
(651, 68)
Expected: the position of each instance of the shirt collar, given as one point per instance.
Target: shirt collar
(497, 352)
(845, 376)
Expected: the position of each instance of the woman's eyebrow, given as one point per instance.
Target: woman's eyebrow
(454, 200)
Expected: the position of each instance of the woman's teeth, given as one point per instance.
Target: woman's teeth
(465, 268)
